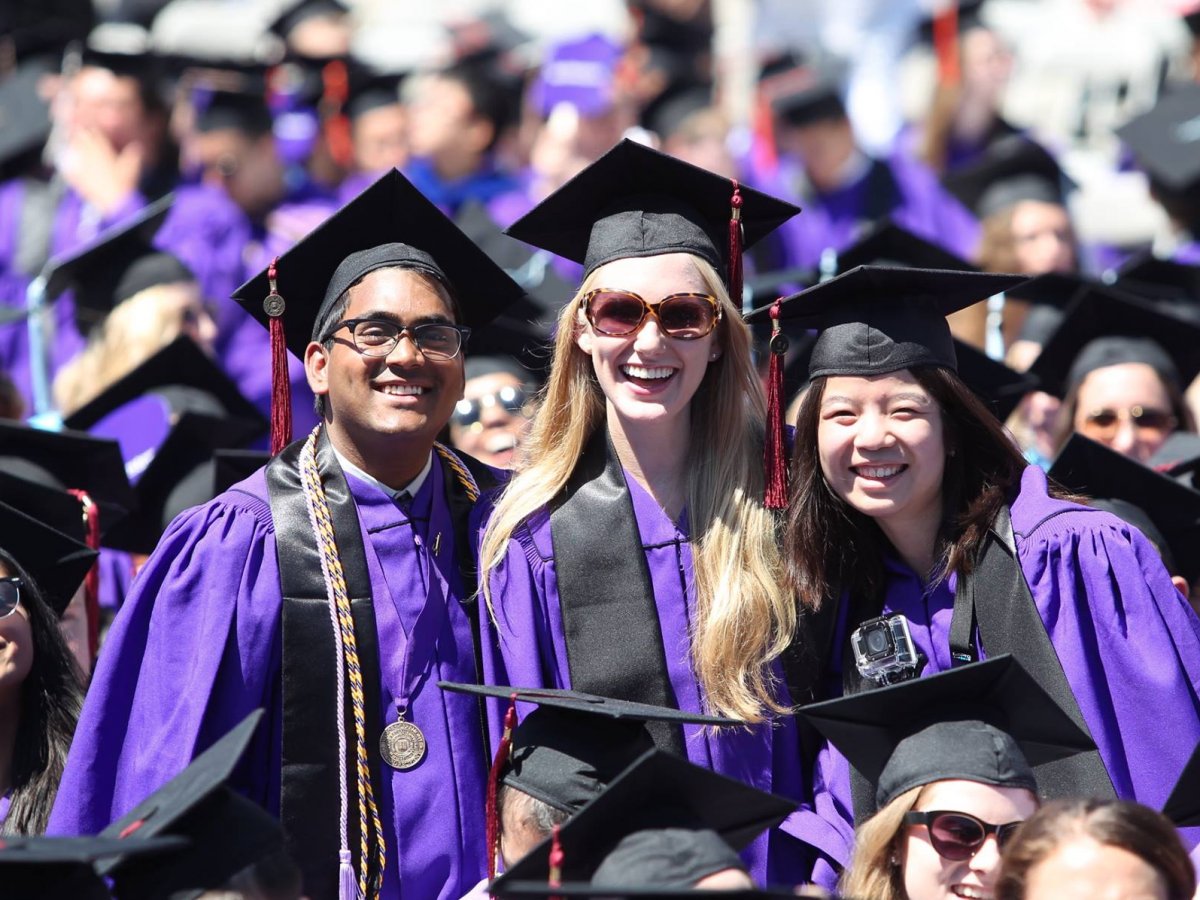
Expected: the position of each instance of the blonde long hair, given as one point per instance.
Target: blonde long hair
(744, 616)
(876, 870)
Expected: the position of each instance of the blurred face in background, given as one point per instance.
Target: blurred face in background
(823, 147)
(1043, 239)
(986, 65)
(107, 103)
(246, 168)
(492, 418)
(380, 138)
(1125, 407)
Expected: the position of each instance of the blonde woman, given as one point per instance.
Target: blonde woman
(631, 555)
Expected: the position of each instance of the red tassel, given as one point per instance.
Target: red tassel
(945, 44)
(774, 460)
(91, 583)
(735, 246)
(498, 764)
(556, 859)
(335, 82)
(281, 387)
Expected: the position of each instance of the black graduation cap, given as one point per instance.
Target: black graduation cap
(1000, 387)
(1183, 806)
(570, 747)
(1012, 169)
(181, 475)
(804, 95)
(660, 790)
(69, 460)
(55, 561)
(232, 466)
(190, 381)
(118, 264)
(880, 319)
(1166, 140)
(24, 116)
(64, 868)
(525, 329)
(373, 90)
(1103, 327)
(1172, 509)
(1192, 21)
(987, 721)
(243, 110)
(142, 64)
(887, 244)
(969, 15)
(52, 505)
(635, 201)
(389, 224)
(1172, 285)
(1048, 296)
(1178, 457)
(227, 832)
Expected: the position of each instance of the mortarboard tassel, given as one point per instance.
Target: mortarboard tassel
(556, 859)
(493, 818)
(335, 92)
(281, 388)
(774, 460)
(735, 245)
(945, 44)
(347, 882)
(91, 583)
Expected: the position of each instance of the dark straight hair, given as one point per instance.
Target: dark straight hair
(830, 546)
(51, 697)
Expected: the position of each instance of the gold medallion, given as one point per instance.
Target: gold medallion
(402, 745)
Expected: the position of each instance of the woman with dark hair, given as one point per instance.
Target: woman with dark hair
(1096, 848)
(40, 693)
(910, 502)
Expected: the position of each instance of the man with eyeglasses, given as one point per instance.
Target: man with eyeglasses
(333, 587)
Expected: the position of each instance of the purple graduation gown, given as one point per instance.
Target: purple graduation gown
(74, 224)
(1128, 642)
(197, 646)
(836, 219)
(531, 652)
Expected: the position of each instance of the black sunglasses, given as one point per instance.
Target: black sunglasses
(10, 595)
(467, 412)
(958, 836)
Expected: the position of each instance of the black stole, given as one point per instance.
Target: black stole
(309, 803)
(610, 620)
(996, 599)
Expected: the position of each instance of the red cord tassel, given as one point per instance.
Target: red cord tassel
(735, 246)
(91, 583)
(774, 460)
(945, 44)
(281, 387)
(556, 859)
(335, 80)
(498, 764)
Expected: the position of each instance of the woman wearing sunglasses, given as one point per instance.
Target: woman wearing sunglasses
(40, 692)
(910, 503)
(631, 555)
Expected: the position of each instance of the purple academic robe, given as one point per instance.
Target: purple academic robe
(74, 224)
(197, 646)
(532, 653)
(1128, 642)
(837, 219)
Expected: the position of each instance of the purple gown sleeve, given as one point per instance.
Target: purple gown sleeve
(193, 650)
(1128, 641)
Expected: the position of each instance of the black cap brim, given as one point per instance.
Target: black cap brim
(659, 790)
(1166, 141)
(867, 727)
(892, 245)
(55, 561)
(998, 386)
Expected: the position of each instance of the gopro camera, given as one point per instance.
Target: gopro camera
(884, 650)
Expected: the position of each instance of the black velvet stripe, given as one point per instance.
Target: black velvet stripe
(310, 809)
(610, 620)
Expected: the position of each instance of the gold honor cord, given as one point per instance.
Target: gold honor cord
(336, 584)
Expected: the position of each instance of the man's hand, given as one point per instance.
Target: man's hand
(101, 175)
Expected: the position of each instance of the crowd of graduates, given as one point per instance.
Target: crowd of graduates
(449, 455)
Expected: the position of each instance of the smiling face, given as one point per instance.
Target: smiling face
(16, 650)
(1121, 389)
(649, 377)
(385, 412)
(928, 876)
(881, 445)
